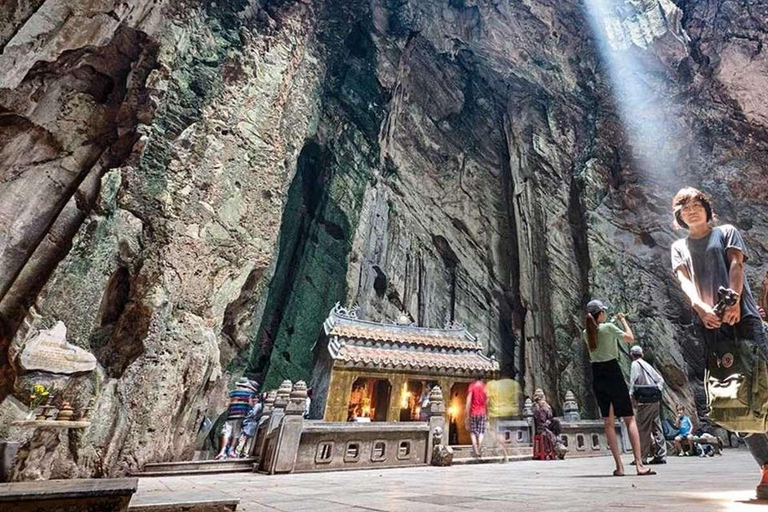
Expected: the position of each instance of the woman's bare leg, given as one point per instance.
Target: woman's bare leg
(610, 434)
(634, 439)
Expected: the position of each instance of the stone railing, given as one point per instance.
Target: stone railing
(586, 438)
(582, 437)
(286, 443)
(332, 446)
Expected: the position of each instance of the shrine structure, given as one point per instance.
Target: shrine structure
(369, 371)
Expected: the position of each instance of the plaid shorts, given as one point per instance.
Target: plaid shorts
(477, 424)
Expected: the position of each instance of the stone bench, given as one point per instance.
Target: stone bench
(92, 495)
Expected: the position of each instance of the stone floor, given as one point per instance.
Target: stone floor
(684, 484)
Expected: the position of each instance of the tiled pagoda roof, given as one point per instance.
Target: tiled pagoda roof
(364, 344)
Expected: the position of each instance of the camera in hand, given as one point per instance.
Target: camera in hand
(727, 298)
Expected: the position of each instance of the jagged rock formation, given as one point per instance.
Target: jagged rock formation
(191, 186)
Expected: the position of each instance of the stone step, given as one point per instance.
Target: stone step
(466, 451)
(193, 467)
(490, 459)
(188, 502)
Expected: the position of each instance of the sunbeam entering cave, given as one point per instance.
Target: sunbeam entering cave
(623, 31)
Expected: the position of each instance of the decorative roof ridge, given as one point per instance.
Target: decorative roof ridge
(386, 358)
(411, 346)
(340, 315)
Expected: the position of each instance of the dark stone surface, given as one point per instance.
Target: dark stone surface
(109, 495)
(61, 489)
(460, 160)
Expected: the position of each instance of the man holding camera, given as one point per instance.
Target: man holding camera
(708, 259)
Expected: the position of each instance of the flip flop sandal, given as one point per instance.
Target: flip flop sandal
(647, 473)
(616, 473)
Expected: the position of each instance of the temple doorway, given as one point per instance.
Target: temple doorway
(458, 432)
(411, 399)
(369, 400)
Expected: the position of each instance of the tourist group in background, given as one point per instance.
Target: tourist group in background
(708, 264)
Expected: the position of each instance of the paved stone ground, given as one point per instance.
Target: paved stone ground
(684, 484)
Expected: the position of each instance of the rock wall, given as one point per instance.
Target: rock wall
(145, 164)
(191, 186)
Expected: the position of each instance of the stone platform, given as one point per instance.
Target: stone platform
(111, 495)
(684, 484)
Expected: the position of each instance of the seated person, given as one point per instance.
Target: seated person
(684, 434)
(546, 424)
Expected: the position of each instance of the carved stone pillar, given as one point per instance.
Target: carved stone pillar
(289, 436)
(436, 413)
(261, 431)
(272, 423)
(571, 408)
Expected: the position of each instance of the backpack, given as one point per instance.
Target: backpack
(736, 385)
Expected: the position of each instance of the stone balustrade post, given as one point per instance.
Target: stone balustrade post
(289, 436)
(528, 416)
(436, 413)
(261, 430)
(571, 408)
(281, 401)
(273, 424)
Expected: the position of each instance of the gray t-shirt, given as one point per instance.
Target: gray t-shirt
(707, 264)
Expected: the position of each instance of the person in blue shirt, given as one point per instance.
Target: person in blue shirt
(685, 432)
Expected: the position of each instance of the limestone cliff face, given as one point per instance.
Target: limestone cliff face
(191, 186)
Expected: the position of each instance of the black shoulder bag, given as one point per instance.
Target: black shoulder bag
(646, 394)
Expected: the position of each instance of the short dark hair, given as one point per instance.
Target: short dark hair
(685, 196)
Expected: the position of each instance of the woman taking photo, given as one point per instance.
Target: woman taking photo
(608, 383)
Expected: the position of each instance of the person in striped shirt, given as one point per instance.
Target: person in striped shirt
(241, 400)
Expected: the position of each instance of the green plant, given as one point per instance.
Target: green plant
(39, 394)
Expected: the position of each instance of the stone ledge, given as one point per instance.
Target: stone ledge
(183, 502)
(384, 427)
(67, 489)
(51, 424)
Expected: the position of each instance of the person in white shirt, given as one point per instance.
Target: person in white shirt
(645, 385)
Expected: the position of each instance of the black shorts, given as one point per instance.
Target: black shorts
(610, 389)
